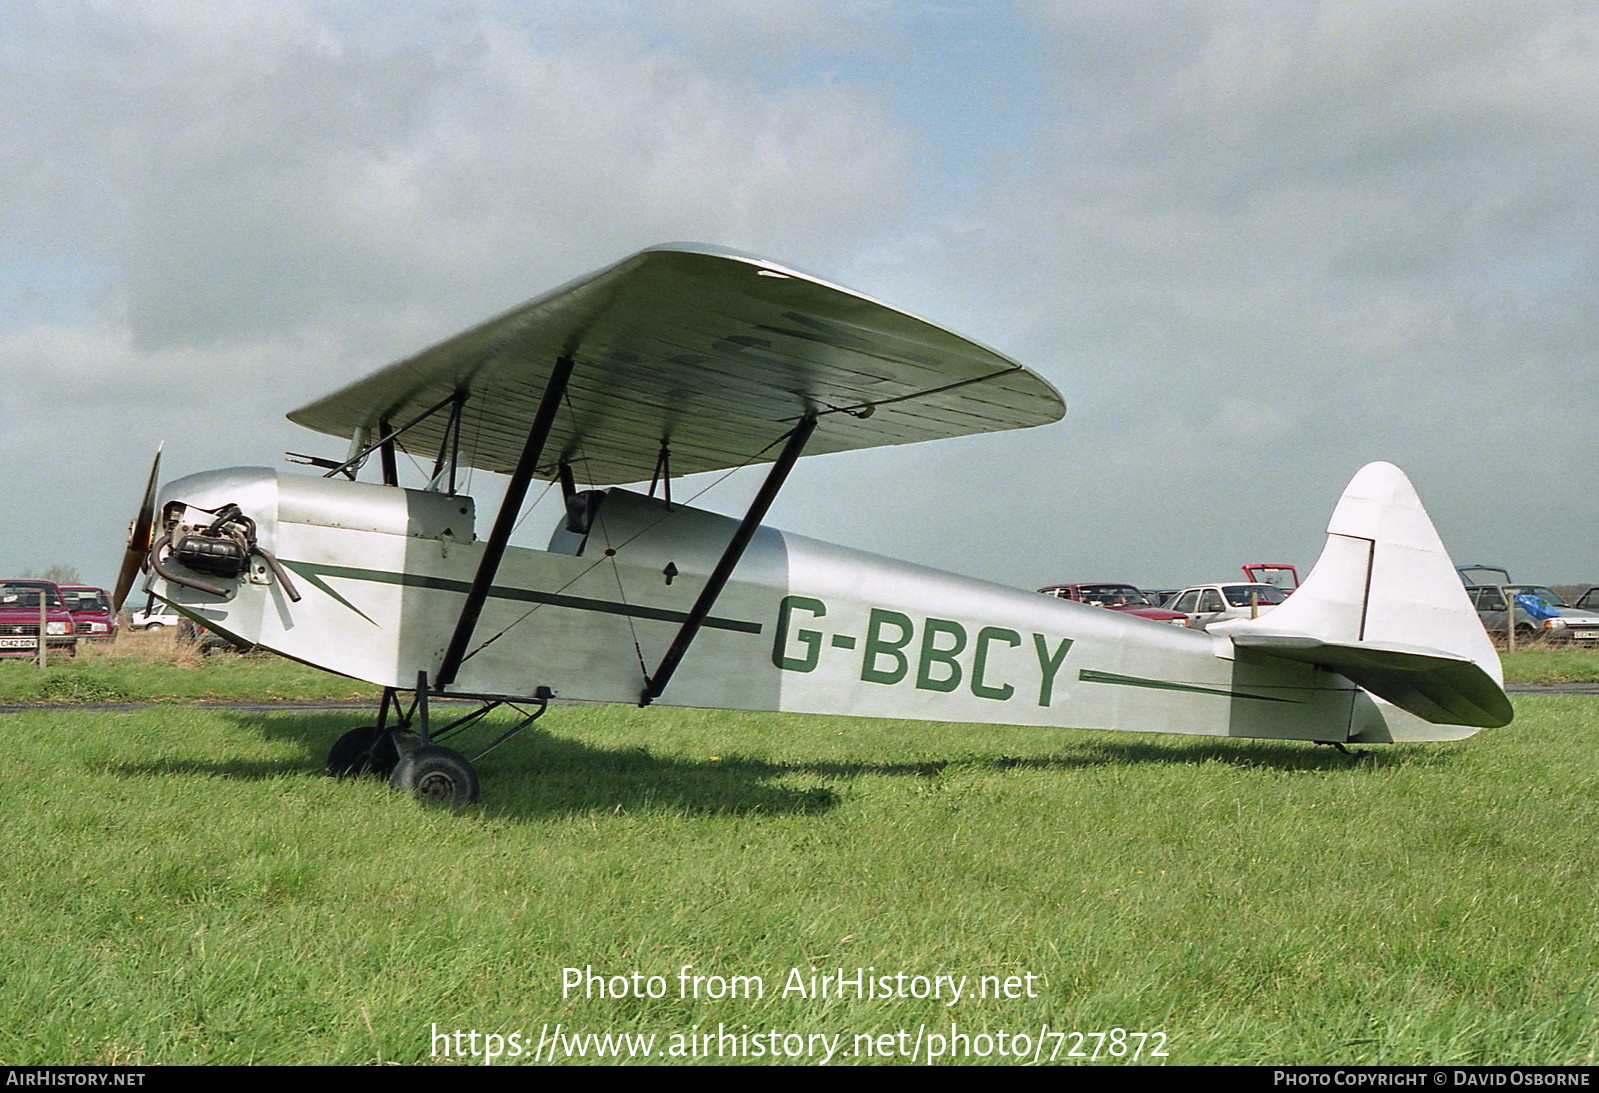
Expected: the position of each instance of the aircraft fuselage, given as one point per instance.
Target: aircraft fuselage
(803, 626)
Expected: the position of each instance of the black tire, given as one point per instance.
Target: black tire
(437, 774)
(362, 751)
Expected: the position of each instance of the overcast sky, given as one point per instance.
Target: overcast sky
(1255, 245)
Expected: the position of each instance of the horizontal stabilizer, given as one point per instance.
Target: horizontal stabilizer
(1436, 686)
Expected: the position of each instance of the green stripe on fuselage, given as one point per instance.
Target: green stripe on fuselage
(1090, 676)
(315, 573)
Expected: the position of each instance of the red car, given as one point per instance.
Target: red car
(19, 619)
(92, 617)
(1279, 575)
(1116, 597)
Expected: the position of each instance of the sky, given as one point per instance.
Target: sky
(1255, 246)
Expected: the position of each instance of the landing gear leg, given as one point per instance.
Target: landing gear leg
(373, 749)
(1345, 751)
(406, 752)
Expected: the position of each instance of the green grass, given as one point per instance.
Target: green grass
(1544, 664)
(156, 667)
(183, 886)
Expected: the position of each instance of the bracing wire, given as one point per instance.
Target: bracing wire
(612, 550)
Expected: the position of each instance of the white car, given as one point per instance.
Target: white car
(1207, 604)
(155, 617)
(160, 616)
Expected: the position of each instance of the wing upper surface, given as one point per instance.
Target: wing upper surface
(713, 354)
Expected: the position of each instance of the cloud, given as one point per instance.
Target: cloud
(1255, 245)
(1259, 245)
(252, 203)
(765, 35)
(243, 168)
(1398, 176)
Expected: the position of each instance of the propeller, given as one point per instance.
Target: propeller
(141, 533)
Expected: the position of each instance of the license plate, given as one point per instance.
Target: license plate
(18, 643)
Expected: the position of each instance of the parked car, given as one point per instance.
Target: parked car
(1473, 575)
(20, 601)
(1116, 596)
(1277, 574)
(1588, 601)
(1538, 613)
(155, 616)
(158, 616)
(1206, 605)
(92, 616)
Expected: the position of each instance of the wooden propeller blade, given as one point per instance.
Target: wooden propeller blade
(141, 533)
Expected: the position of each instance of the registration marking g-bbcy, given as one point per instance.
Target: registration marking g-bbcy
(940, 655)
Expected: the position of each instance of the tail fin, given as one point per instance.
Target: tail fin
(1385, 608)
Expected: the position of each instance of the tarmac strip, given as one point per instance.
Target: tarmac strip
(245, 707)
(276, 707)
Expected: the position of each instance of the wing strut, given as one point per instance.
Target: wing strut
(384, 444)
(450, 448)
(391, 470)
(656, 683)
(505, 520)
(663, 474)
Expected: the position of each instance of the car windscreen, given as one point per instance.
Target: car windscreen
(1112, 595)
(85, 600)
(1262, 595)
(1539, 592)
(25, 595)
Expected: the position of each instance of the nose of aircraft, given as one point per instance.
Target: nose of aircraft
(211, 530)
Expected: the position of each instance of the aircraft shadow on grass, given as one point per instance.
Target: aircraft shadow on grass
(543, 774)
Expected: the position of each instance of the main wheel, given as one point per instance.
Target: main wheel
(366, 750)
(436, 773)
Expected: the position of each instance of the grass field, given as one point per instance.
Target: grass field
(1551, 664)
(182, 885)
(156, 667)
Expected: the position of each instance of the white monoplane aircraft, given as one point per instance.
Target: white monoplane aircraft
(683, 359)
